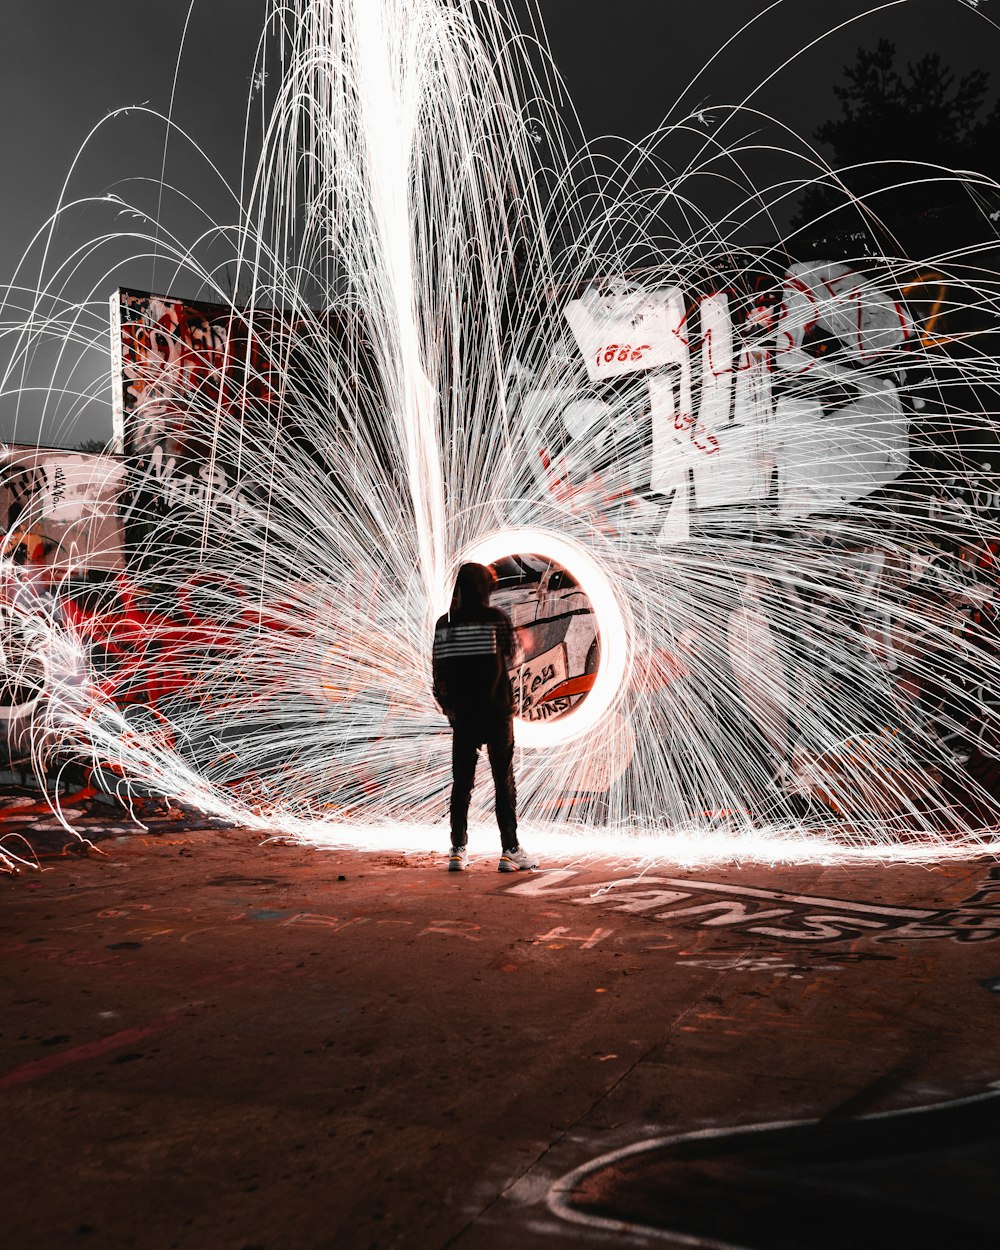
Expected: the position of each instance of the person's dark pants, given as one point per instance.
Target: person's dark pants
(498, 737)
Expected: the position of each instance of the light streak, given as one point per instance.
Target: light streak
(479, 343)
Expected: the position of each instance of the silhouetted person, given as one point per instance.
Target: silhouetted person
(474, 646)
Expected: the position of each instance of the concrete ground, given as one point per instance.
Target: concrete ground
(217, 1045)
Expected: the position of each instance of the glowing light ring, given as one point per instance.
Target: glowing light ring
(612, 629)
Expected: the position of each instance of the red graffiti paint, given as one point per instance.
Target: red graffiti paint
(40, 1068)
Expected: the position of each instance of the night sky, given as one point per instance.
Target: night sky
(69, 62)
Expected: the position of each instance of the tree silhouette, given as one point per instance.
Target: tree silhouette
(93, 446)
(896, 143)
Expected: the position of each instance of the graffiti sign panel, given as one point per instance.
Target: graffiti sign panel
(190, 381)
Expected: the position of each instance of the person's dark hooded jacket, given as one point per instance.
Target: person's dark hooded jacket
(474, 647)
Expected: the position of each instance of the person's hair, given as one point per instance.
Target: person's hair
(474, 584)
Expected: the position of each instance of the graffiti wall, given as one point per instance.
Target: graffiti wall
(766, 400)
(182, 371)
(783, 399)
(60, 510)
(62, 543)
(200, 411)
(762, 437)
(829, 535)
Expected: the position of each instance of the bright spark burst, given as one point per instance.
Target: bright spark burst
(456, 307)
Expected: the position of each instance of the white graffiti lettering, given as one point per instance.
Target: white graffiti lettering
(796, 917)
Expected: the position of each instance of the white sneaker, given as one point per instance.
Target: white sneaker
(458, 859)
(515, 861)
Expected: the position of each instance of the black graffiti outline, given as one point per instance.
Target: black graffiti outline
(558, 1205)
